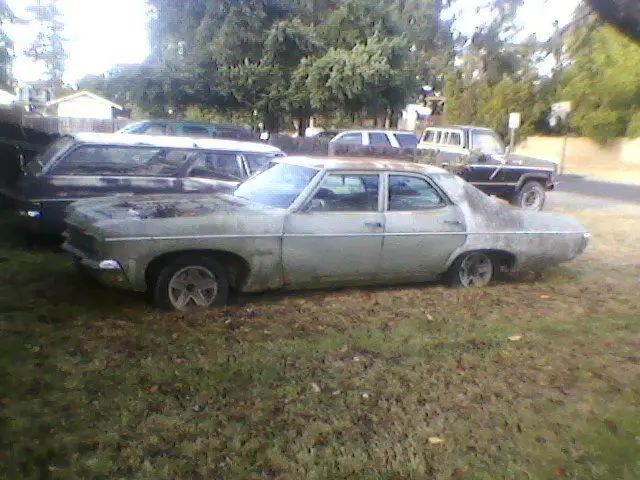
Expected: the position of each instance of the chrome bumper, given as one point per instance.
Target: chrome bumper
(108, 272)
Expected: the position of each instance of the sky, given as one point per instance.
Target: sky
(103, 33)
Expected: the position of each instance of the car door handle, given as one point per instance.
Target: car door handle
(452, 222)
(373, 224)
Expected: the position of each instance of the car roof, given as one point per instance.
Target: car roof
(203, 123)
(361, 163)
(372, 130)
(127, 139)
(461, 127)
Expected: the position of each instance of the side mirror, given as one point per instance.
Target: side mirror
(315, 205)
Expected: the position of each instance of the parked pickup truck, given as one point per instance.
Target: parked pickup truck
(488, 165)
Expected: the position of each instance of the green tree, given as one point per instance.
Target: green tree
(603, 85)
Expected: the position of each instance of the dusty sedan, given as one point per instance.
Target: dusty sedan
(312, 222)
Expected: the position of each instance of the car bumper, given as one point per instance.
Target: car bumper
(109, 272)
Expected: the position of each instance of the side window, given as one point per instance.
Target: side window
(105, 160)
(377, 139)
(351, 139)
(444, 138)
(454, 139)
(408, 193)
(430, 136)
(219, 166)
(169, 162)
(257, 162)
(347, 193)
(195, 131)
(407, 140)
(486, 143)
(155, 129)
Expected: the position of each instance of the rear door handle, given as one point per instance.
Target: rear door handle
(452, 222)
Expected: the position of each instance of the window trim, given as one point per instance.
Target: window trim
(443, 195)
(300, 207)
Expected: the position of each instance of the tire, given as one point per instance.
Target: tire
(472, 269)
(530, 197)
(191, 281)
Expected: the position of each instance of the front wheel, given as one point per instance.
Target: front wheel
(530, 197)
(189, 282)
(473, 269)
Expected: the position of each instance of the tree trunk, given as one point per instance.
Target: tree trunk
(303, 123)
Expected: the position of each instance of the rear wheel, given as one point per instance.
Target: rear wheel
(189, 282)
(473, 269)
(530, 197)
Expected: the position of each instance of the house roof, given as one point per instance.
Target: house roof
(84, 93)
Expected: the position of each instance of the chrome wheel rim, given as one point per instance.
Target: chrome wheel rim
(192, 286)
(532, 200)
(476, 270)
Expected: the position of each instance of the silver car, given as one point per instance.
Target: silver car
(311, 222)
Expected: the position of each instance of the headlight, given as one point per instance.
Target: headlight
(30, 213)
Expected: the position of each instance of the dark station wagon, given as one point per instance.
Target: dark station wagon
(95, 165)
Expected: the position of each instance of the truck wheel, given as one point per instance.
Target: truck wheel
(191, 281)
(472, 269)
(530, 197)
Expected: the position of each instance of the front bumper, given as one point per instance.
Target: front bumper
(108, 272)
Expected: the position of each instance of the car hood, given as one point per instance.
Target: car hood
(526, 161)
(165, 215)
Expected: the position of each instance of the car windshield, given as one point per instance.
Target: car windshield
(40, 161)
(278, 186)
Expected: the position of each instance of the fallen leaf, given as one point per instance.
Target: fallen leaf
(436, 440)
(561, 472)
(336, 392)
(175, 335)
(515, 338)
(366, 395)
(315, 387)
(429, 317)
(154, 388)
(544, 297)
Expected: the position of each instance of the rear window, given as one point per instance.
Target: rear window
(113, 161)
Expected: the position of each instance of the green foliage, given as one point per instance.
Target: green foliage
(633, 130)
(603, 84)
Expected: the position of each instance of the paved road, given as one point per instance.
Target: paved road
(603, 190)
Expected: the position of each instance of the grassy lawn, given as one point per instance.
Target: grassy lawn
(538, 378)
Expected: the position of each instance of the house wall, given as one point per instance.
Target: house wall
(85, 107)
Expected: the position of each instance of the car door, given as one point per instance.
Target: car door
(422, 229)
(336, 237)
